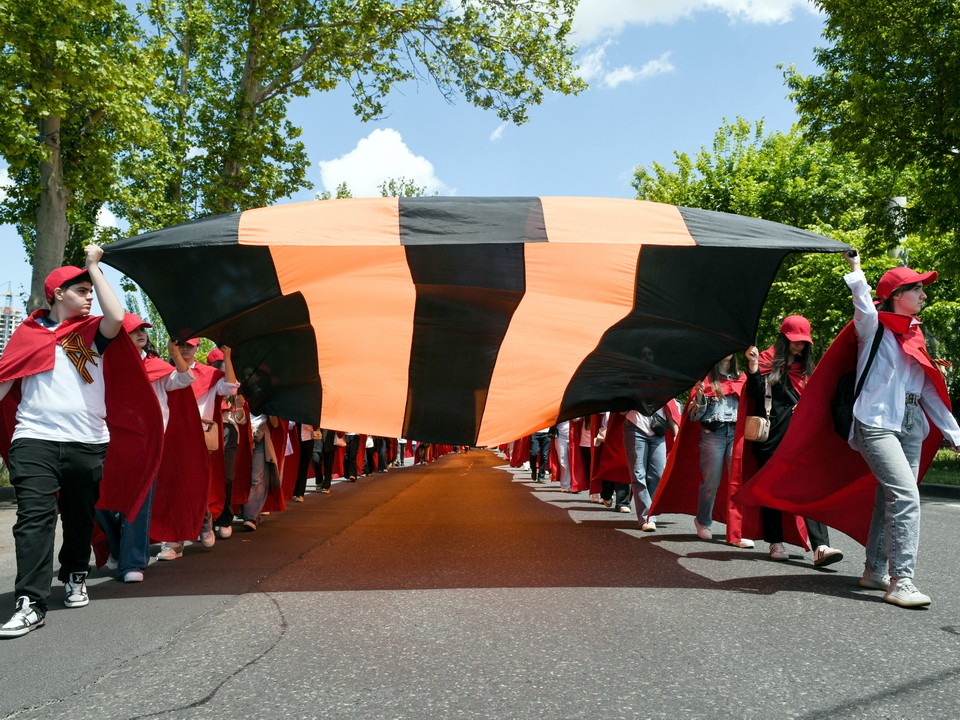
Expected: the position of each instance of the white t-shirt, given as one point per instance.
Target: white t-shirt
(59, 405)
(174, 381)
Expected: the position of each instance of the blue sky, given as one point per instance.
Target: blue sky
(663, 76)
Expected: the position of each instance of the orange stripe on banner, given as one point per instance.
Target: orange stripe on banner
(361, 303)
(574, 293)
(348, 221)
(613, 220)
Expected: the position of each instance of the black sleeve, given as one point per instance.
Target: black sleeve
(755, 386)
(101, 342)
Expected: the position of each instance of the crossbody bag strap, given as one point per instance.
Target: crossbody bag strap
(873, 354)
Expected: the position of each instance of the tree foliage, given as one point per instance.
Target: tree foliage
(808, 184)
(230, 68)
(68, 104)
(184, 114)
(888, 93)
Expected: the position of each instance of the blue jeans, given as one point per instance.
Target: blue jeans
(646, 458)
(716, 450)
(129, 540)
(894, 458)
(258, 484)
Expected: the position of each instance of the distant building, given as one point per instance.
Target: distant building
(10, 318)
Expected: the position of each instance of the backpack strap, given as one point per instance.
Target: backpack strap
(873, 353)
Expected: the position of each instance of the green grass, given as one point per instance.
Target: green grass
(4, 475)
(945, 469)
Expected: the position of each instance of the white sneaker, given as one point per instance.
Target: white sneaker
(744, 543)
(873, 580)
(75, 590)
(778, 552)
(170, 551)
(703, 532)
(133, 576)
(224, 531)
(112, 563)
(207, 538)
(825, 555)
(648, 526)
(25, 618)
(904, 593)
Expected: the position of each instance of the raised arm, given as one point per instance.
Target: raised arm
(109, 302)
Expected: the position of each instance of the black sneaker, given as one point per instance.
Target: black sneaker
(25, 618)
(76, 590)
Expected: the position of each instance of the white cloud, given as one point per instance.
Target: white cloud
(498, 133)
(595, 19)
(4, 183)
(593, 68)
(105, 218)
(377, 158)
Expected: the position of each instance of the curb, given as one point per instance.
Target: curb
(951, 492)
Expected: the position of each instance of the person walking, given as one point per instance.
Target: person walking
(60, 362)
(902, 393)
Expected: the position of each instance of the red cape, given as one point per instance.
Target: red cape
(206, 378)
(679, 487)
(612, 456)
(244, 464)
(815, 472)
(133, 413)
(180, 498)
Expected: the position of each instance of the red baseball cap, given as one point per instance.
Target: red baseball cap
(192, 341)
(900, 276)
(796, 328)
(131, 322)
(60, 277)
(215, 355)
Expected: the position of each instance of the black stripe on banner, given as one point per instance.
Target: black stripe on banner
(692, 307)
(275, 358)
(441, 220)
(466, 298)
(709, 227)
(172, 265)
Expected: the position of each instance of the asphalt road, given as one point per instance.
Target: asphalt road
(460, 590)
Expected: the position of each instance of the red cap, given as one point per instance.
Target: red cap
(131, 322)
(192, 341)
(60, 277)
(215, 355)
(900, 276)
(796, 328)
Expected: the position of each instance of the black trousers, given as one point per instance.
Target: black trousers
(323, 465)
(231, 442)
(772, 522)
(539, 453)
(350, 458)
(306, 457)
(39, 469)
(382, 445)
(620, 492)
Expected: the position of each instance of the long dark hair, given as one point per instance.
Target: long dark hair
(781, 349)
(715, 375)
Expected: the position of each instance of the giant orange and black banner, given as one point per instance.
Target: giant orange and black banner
(464, 320)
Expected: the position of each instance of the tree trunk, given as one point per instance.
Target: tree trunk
(52, 227)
